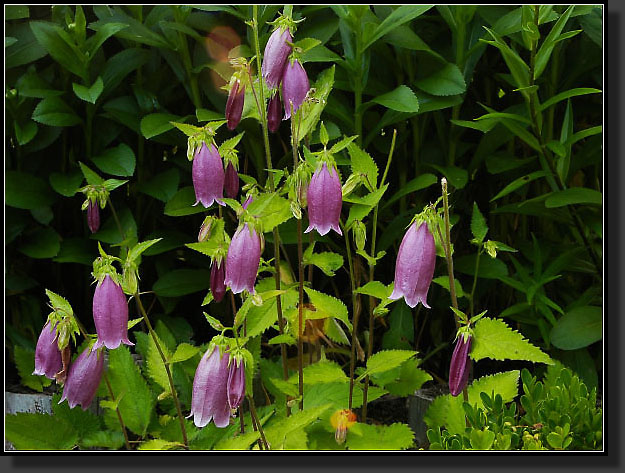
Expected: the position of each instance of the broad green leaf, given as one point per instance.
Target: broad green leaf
(566, 95)
(578, 328)
(482, 439)
(398, 17)
(403, 380)
(102, 34)
(494, 339)
(154, 366)
(158, 444)
(44, 243)
(572, 196)
(25, 133)
(66, 184)
(53, 111)
(271, 209)
(26, 50)
(109, 231)
(400, 334)
(328, 306)
(181, 282)
(121, 64)
(137, 401)
(25, 191)
(445, 81)
(60, 46)
(278, 433)
(76, 250)
(518, 183)
(259, 319)
(386, 360)
(240, 442)
(118, 161)
(182, 203)
(15, 12)
(163, 186)
(375, 289)
(157, 123)
(396, 436)
(324, 371)
(444, 282)
(327, 261)
(422, 182)
(39, 432)
(479, 228)
(362, 162)
(402, 99)
(184, 351)
(89, 94)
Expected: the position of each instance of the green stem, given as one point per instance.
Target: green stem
(166, 365)
(355, 309)
(250, 399)
(477, 265)
(188, 65)
(371, 278)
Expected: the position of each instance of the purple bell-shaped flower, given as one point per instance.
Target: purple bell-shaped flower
(324, 198)
(110, 314)
(83, 378)
(210, 390)
(295, 86)
(274, 113)
(48, 361)
(243, 260)
(93, 216)
(218, 274)
(208, 176)
(236, 382)
(231, 182)
(276, 53)
(248, 201)
(459, 366)
(234, 104)
(415, 265)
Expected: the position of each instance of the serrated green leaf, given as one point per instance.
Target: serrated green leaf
(271, 209)
(25, 364)
(158, 444)
(118, 161)
(311, 111)
(240, 442)
(92, 177)
(89, 94)
(385, 360)
(495, 340)
(398, 17)
(446, 81)
(39, 432)
(375, 289)
(278, 432)
(402, 99)
(324, 371)
(184, 351)
(379, 437)
(327, 261)
(53, 111)
(328, 306)
(478, 224)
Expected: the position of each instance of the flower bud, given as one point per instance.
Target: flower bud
(48, 361)
(414, 268)
(360, 235)
(275, 56)
(324, 201)
(341, 421)
(234, 104)
(243, 260)
(218, 274)
(231, 182)
(210, 389)
(459, 366)
(110, 314)
(248, 201)
(295, 86)
(83, 378)
(205, 229)
(208, 176)
(93, 216)
(236, 382)
(274, 113)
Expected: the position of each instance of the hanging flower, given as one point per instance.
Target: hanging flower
(210, 389)
(83, 378)
(460, 364)
(295, 86)
(243, 260)
(208, 176)
(324, 199)
(342, 420)
(234, 104)
(275, 56)
(93, 216)
(274, 113)
(415, 265)
(236, 382)
(48, 361)
(231, 182)
(110, 314)
(218, 274)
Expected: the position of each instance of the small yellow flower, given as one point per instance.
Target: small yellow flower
(341, 421)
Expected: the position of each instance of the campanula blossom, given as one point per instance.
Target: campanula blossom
(274, 113)
(459, 366)
(93, 216)
(236, 382)
(275, 56)
(218, 274)
(234, 104)
(415, 265)
(48, 361)
(243, 260)
(208, 176)
(83, 378)
(295, 86)
(231, 181)
(110, 314)
(324, 198)
(210, 389)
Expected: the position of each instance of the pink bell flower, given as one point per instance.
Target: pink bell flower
(324, 198)
(275, 56)
(208, 176)
(295, 86)
(110, 314)
(83, 378)
(48, 361)
(243, 260)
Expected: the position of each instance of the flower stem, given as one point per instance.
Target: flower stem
(371, 278)
(355, 309)
(250, 399)
(167, 368)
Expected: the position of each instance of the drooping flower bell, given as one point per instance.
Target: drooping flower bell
(234, 104)
(274, 113)
(460, 364)
(342, 421)
(324, 199)
(275, 56)
(243, 260)
(208, 176)
(236, 382)
(110, 314)
(83, 378)
(93, 216)
(415, 265)
(231, 182)
(48, 361)
(218, 274)
(295, 86)
(210, 389)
